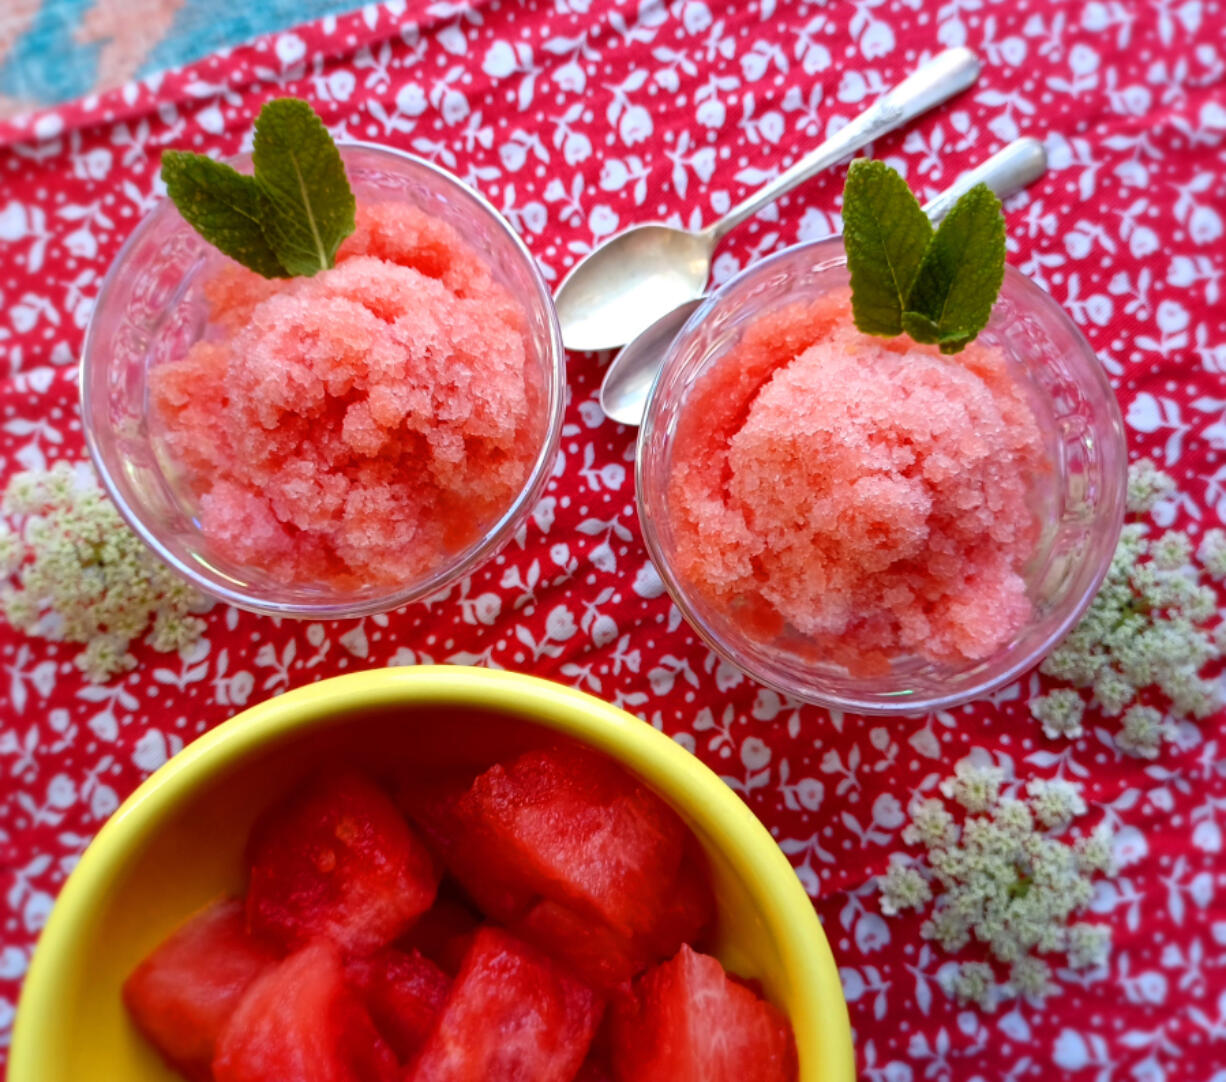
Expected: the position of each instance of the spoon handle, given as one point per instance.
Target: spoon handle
(1006, 172)
(946, 74)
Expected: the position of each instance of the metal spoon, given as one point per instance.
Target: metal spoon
(627, 383)
(637, 276)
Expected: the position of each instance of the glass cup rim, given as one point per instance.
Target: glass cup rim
(1035, 296)
(495, 537)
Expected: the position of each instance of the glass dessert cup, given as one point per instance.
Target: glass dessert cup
(151, 310)
(1077, 504)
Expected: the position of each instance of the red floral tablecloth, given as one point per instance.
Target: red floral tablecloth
(579, 117)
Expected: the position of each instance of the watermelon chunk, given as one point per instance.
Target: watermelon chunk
(403, 993)
(687, 909)
(512, 1015)
(336, 859)
(444, 932)
(585, 945)
(606, 958)
(688, 1021)
(300, 1022)
(183, 993)
(570, 825)
(595, 1069)
(471, 853)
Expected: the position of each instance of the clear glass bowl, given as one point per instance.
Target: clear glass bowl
(1079, 506)
(149, 311)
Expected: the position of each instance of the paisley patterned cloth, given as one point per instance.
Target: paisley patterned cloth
(579, 117)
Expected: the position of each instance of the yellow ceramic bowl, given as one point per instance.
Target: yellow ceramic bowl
(176, 843)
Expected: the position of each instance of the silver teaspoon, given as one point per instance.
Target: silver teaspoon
(627, 382)
(636, 276)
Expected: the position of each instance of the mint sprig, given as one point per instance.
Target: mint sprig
(291, 216)
(308, 205)
(886, 232)
(939, 285)
(223, 206)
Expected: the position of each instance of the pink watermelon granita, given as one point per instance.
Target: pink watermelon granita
(862, 498)
(361, 426)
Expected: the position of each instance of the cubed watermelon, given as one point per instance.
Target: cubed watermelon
(572, 826)
(403, 993)
(584, 944)
(595, 1069)
(474, 857)
(511, 1015)
(301, 1022)
(687, 908)
(606, 958)
(336, 859)
(182, 995)
(445, 931)
(689, 1022)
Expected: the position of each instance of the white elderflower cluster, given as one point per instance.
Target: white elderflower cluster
(1212, 553)
(902, 887)
(1055, 802)
(1147, 636)
(1146, 486)
(998, 872)
(72, 571)
(1060, 713)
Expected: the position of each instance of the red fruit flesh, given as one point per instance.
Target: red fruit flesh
(337, 860)
(605, 958)
(688, 1022)
(511, 1016)
(687, 909)
(183, 993)
(403, 993)
(300, 1022)
(473, 856)
(595, 1069)
(584, 944)
(444, 932)
(574, 827)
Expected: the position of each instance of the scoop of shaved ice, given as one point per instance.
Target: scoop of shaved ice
(359, 426)
(869, 497)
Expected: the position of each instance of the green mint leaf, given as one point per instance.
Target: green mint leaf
(921, 328)
(957, 345)
(223, 206)
(885, 233)
(963, 267)
(308, 205)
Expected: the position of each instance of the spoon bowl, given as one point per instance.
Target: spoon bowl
(619, 288)
(631, 280)
(627, 383)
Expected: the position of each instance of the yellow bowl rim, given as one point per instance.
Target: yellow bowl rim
(778, 893)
